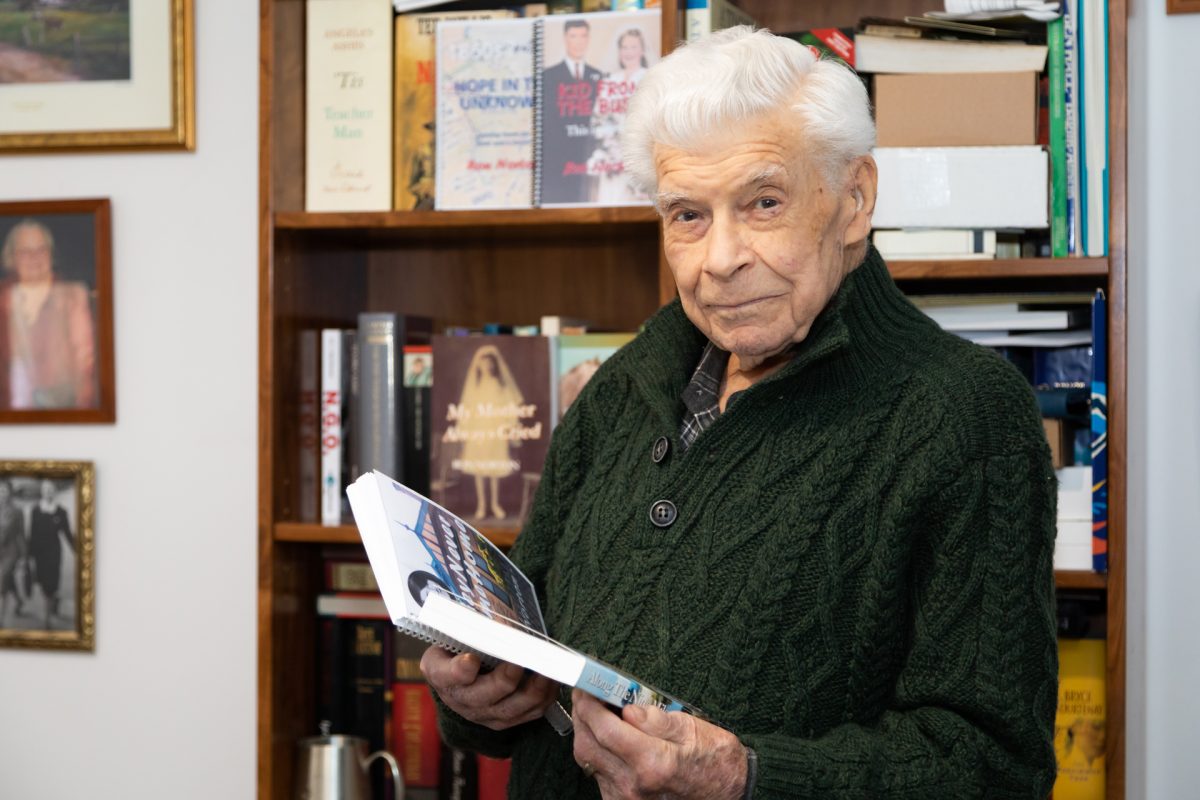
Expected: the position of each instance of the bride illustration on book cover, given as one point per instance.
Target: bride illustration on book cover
(491, 395)
(608, 116)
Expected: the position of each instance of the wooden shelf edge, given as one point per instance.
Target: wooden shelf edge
(314, 533)
(1000, 268)
(435, 220)
(1080, 579)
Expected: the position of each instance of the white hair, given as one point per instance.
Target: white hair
(737, 74)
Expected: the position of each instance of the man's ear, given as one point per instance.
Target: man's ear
(863, 185)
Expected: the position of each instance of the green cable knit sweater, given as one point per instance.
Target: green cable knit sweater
(859, 582)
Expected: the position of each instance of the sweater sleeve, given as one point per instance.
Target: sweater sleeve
(531, 553)
(972, 714)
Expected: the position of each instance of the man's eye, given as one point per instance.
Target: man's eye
(767, 202)
(686, 216)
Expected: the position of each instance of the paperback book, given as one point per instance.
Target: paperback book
(444, 582)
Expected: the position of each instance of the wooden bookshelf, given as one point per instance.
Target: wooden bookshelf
(604, 264)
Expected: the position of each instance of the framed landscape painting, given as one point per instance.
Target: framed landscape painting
(47, 554)
(56, 318)
(96, 75)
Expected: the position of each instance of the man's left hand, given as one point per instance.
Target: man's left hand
(646, 752)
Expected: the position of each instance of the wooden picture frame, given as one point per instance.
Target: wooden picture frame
(56, 312)
(47, 555)
(1183, 6)
(121, 78)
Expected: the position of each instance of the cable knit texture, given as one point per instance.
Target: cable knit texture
(859, 583)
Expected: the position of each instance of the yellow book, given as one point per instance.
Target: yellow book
(1079, 724)
(415, 106)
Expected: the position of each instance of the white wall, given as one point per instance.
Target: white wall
(165, 707)
(1164, 354)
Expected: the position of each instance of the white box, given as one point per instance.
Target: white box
(1073, 547)
(962, 187)
(1075, 493)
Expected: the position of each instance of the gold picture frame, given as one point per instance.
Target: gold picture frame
(47, 555)
(152, 109)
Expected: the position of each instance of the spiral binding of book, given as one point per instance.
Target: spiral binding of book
(538, 25)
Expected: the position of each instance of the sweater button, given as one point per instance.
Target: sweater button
(663, 513)
(659, 451)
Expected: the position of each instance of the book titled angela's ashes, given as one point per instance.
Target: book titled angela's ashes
(444, 582)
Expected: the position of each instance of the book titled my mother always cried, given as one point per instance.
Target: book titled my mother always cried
(444, 582)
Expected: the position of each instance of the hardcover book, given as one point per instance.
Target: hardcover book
(484, 114)
(1098, 411)
(418, 386)
(414, 109)
(492, 403)
(309, 427)
(348, 84)
(578, 358)
(587, 67)
(337, 427)
(444, 582)
(353, 656)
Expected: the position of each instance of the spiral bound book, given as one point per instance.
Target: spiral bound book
(445, 582)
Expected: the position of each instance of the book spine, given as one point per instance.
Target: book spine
(1071, 123)
(539, 99)
(1099, 432)
(1058, 154)
(493, 777)
(459, 778)
(331, 426)
(348, 124)
(349, 576)
(417, 418)
(309, 427)
(380, 399)
(350, 401)
(415, 733)
(620, 690)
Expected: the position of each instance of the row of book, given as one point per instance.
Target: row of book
(491, 109)
(472, 434)
(987, 127)
(1058, 341)
(370, 685)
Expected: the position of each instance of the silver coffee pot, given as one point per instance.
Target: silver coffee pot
(335, 768)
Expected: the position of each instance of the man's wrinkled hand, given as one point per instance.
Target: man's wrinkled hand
(499, 699)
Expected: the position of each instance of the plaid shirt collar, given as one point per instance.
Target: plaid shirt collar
(702, 395)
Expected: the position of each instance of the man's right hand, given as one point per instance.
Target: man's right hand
(499, 699)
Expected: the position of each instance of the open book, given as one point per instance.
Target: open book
(444, 582)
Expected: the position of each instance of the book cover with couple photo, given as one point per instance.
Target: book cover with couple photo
(590, 65)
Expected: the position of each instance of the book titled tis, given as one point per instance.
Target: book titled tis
(348, 127)
(444, 582)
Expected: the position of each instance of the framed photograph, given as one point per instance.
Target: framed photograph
(96, 75)
(56, 318)
(47, 554)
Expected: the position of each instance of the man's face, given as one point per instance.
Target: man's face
(753, 235)
(576, 40)
(31, 257)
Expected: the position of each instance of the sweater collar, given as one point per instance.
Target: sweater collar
(864, 336)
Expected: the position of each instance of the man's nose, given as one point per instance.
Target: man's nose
(728, 247)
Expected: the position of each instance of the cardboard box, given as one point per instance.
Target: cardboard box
(956, 110)
(962, 187)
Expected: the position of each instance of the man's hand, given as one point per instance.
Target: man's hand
(647, 752)
(499, 699)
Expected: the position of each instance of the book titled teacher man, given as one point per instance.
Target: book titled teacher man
(348, 119)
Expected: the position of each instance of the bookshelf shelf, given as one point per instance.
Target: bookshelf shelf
(312, 533)
(1079, 579)
(1000, 268)
(436, 220)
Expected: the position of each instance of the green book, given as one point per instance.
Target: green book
(1058, 140)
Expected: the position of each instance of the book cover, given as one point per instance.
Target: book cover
(491, 408)
(1093, 55)
(935, 244)
(414, 106)
(348, 89)
(587, 69)
(445, 582)
(1079, 725)
(337, 348)
(703, 17)
(1098, 413)
(308, 424)
(418, 388)
(484, 114)
(578, 358)
(835, 43)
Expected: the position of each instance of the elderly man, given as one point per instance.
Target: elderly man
(792, 501)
